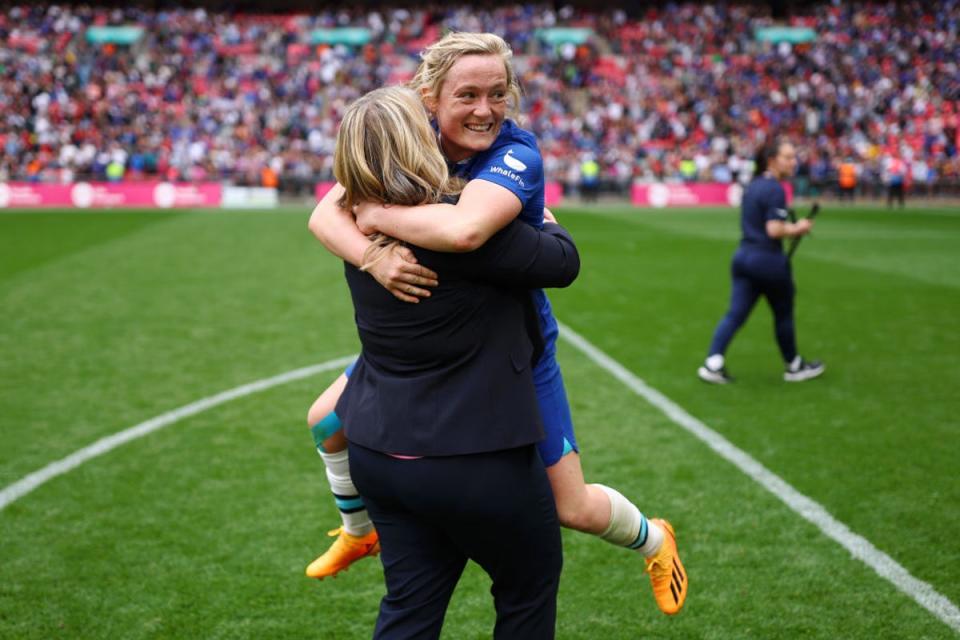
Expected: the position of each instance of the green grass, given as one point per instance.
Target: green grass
(202, 530)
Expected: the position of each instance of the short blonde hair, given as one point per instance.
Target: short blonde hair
(438, 58)
(387, 153)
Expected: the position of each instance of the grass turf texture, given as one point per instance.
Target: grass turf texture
(203, 529)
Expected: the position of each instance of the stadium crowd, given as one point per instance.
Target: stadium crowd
(676, 92)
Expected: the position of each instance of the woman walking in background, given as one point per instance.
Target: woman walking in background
(760, 268)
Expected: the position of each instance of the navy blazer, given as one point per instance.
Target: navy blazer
(452, 374)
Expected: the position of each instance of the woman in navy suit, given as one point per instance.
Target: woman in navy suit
(440, 411)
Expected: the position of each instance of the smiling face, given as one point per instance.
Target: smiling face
(471, 105)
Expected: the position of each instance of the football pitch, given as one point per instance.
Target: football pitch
(200, 526)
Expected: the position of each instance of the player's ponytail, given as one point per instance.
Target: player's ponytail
(767, 151)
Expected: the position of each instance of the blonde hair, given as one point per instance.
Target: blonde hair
(387, 153)
(438, 58)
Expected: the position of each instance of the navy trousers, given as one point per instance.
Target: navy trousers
(755, 274)
(433, 514)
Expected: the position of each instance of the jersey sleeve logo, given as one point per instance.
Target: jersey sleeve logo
(782, 213)
(513, 162)
(513, 169)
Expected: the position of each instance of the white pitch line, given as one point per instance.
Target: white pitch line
(861, 548)
(32, 481)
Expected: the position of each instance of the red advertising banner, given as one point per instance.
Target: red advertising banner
(686, 195)
(98, 195)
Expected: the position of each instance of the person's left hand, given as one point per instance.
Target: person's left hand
(400, 274)
(367, 214)
(548, 216)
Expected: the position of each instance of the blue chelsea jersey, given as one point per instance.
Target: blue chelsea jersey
(763, 200)
(514, 162)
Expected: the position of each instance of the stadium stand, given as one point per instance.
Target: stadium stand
(672, 93)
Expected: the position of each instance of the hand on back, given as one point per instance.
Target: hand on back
(400, 274)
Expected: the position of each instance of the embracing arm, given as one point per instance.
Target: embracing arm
(522, 256)
(483, 209)
(398, 273)
(336, 229)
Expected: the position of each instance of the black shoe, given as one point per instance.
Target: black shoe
(714, 376)
(804, 371)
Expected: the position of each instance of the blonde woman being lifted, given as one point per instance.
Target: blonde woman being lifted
(468, 85)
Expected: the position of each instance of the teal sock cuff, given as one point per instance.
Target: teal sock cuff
(642, 536)
(325, 428)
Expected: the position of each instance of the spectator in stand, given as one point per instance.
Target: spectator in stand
(589, 178)
(847, 179)
(894, 176)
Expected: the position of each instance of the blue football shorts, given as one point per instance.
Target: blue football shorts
(559, 439)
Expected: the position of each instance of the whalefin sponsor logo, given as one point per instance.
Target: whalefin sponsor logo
(782, 213)
(513, 162)
(509, 174)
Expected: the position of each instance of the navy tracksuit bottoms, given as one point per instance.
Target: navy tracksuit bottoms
(434, 513)
(758, 273)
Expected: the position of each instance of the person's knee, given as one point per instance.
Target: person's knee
(327, 432)
(326, 402)
(736, 316)
(315, 414)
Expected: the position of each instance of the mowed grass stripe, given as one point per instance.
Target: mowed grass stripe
(911, 244)
(859, 547)
(22, 249)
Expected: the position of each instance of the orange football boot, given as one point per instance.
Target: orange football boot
(344, 551)
(667, 575)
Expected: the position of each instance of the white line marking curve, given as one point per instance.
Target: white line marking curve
(921, 592)
(30, 482)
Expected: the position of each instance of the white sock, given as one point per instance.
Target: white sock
(794, 364)
(356, 520)
(715, 362)
(654, 540)
(628, 527)
(625, 519)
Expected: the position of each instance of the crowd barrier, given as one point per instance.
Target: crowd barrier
(165, 195)
(701, 194)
